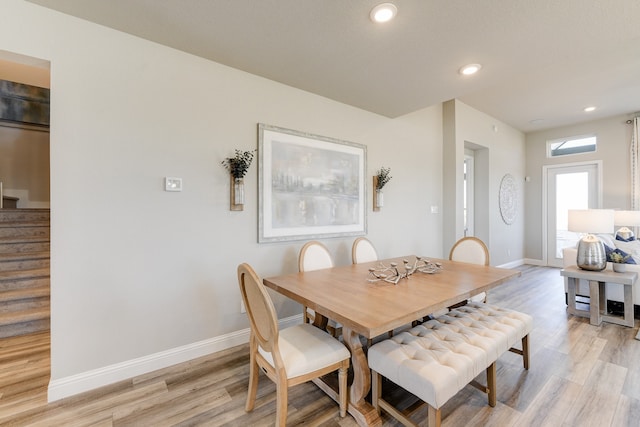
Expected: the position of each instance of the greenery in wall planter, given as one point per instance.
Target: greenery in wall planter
(383, 176)
(238, 166)
(380, 179)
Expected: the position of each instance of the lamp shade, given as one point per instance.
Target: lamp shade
(628, 218)
(591, 220)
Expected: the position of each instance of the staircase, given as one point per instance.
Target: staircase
(24, 271)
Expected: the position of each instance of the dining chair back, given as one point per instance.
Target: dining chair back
(474, 251)
(363, 251)
(471, 250)
(289, 356)
(313, 256)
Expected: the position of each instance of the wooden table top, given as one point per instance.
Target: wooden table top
(345, 295)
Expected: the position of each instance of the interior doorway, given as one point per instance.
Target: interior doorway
(569, 186)
(24, 130)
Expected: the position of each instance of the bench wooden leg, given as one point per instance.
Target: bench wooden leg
(435, 417)
(524, 352)
(491, 384)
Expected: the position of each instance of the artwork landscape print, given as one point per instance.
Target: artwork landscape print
(310, 186)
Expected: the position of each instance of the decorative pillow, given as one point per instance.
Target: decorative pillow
(622, 239)
(631, 248)
(622, 253)
(607, 239)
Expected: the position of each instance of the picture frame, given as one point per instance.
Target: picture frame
(309, 186)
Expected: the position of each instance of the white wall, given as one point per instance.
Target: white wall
(614, 139)
(137, 271)
(500, 150)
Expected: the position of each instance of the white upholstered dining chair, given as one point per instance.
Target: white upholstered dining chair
(363, 251)
(289, 356)
(473, 251)
(315, 256)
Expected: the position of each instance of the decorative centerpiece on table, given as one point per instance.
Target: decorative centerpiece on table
(618, 261)
(380, 179)
(238, 166)
(393, 274)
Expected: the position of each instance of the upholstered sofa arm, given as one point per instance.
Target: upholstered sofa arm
(569, 256)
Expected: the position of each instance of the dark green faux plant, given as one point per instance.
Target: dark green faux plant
(383, 177)
(238, 165)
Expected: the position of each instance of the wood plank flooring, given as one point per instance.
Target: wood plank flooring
(580, 375)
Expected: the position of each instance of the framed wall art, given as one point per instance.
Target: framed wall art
(24, 104)
(309, 186)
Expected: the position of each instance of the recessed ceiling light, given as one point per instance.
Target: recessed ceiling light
(470, 69)
(589, 109)
(383, 12)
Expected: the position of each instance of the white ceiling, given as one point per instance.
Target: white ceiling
(543, 60)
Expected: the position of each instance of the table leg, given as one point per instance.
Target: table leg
(628, 306)
(571, 298)
(595, 302)
(363, 412)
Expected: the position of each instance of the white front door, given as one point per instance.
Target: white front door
(572, 186)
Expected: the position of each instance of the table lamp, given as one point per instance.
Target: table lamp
(591, 253)
(624, 219)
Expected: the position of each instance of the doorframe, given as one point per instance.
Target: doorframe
(469, 191)
(545, 172)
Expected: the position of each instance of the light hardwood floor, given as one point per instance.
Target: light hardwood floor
(580, 375)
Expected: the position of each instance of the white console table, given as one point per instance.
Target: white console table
(597, 294)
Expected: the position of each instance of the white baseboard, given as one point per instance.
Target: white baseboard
(512, 264)
(537, 262)
(90, 380)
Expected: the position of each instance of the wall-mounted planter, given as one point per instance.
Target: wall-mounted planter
(380, 179)
(237, 167)
(378, 196)
(237, 193)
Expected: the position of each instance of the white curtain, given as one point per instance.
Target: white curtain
(635, 165)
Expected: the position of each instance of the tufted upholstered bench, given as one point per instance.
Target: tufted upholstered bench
(437, 359)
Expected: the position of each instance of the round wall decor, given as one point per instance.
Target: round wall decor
(508, 199)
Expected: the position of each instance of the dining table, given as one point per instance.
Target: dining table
(369, 306)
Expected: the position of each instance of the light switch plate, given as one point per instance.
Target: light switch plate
(172, 184)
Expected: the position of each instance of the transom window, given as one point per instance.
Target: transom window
(572, 145)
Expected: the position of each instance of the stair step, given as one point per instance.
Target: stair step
(25, 223)
(12, 215)
(29, 282)
(12, 240)
(25, 231)
(24, 256)
(24, 274)
(14, 295)
(24, 260)
(24, 244)
(25, 328)
(33, 245)
(23, 316)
